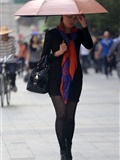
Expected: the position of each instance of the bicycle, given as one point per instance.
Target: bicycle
(5, 87)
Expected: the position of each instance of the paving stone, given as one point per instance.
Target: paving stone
(98, 158)
(21, 154)
(28, 131)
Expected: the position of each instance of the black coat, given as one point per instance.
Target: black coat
(52, 42)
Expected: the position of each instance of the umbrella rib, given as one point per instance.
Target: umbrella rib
(41, 5)
(77, 6)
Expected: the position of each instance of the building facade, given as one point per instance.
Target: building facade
(7, 11)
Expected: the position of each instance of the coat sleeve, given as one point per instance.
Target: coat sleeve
(47, 47)
(113, 48)
(17, 48)
(86, 38)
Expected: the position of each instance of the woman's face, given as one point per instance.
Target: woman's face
(69, 20)
(5, 37)
(35, 39)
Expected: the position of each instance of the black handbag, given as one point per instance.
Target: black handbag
(38, 79)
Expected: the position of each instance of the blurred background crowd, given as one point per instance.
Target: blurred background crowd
(30, 32)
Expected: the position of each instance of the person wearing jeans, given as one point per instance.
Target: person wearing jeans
(103, 49)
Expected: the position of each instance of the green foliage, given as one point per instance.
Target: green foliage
(20, 1)
(107, 21)
(52, 21)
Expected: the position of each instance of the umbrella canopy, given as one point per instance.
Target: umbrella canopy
(60, 7)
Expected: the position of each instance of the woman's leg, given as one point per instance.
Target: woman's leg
(60, 124)
(70, 126)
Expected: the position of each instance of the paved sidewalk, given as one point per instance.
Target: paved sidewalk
(27, 126)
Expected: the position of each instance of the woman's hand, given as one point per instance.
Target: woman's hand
(63, 48)
(81, 19)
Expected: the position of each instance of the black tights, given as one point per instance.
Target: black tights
(65, 120)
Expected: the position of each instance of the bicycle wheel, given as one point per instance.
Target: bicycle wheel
(2, 91)
(8, 92)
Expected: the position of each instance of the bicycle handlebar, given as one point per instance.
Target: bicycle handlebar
(5, 58)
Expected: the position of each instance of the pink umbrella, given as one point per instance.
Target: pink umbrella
(60, 7)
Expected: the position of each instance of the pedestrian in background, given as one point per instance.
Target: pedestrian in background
(92, 51)
(97, 57)
(34, 52)
(23, 53)
(44, 33)
(62, 45)
(103, 49)
(84, 56)
(9, 46)
(115, 50)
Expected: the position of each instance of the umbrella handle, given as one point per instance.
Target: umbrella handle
(46, 18)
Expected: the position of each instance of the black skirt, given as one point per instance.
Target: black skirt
(55, 81)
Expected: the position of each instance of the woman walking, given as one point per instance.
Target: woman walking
(34, 52)
(62, 46)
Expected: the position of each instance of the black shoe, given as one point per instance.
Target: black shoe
(69, 154)
(63, 155)
(13, 88)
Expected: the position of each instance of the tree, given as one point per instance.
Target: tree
(109, 21)
(52, 21)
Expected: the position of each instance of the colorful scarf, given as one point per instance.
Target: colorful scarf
(69, 62)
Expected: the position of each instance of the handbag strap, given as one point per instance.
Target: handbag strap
(43, 61)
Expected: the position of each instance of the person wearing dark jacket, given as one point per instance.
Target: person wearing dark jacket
(62, 46)
(115, 50)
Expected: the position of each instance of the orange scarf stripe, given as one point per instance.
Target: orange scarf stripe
(71, 53)
(73, 59)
